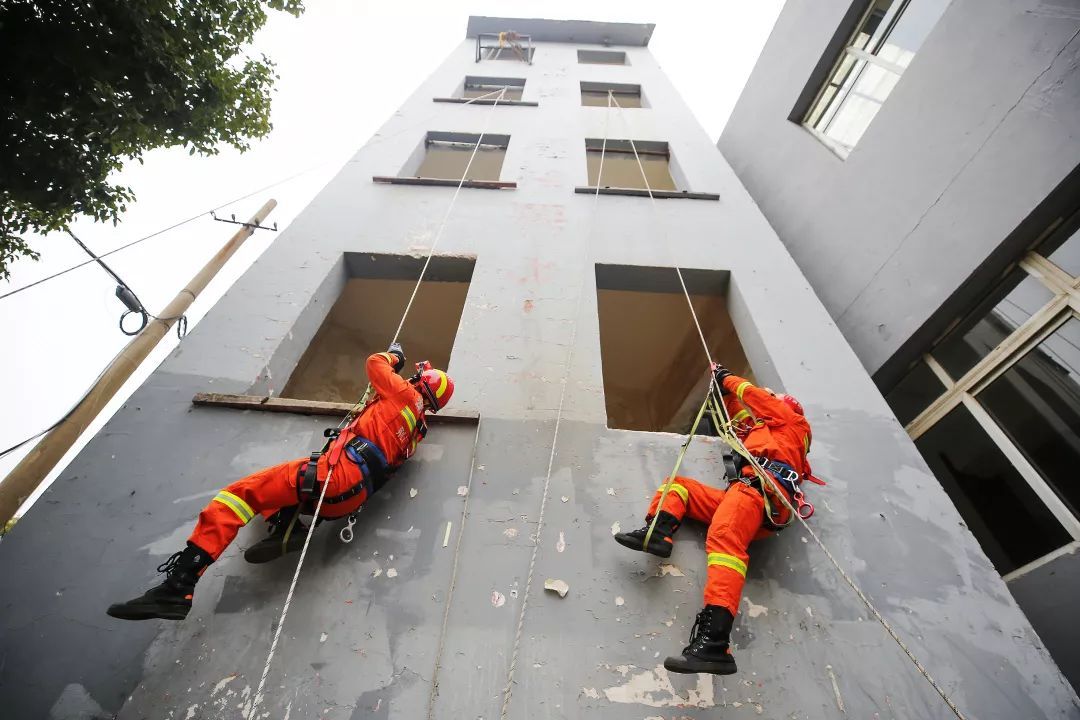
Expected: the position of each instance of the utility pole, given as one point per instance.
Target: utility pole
(32, 470)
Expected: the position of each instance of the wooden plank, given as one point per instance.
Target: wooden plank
(312, 407)
(641, 192)
(442, 182)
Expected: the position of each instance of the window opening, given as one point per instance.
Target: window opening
(646, 334)
(601, 57)
(882, 47)
(477, 87)
(1008, 519)
(1037, 403)
(595, 94)
(995, 406)
(443, 157)
(621, 165)
(991, 322)
(506, 45)
(368, 311)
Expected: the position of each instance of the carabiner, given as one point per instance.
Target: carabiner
(346, 533)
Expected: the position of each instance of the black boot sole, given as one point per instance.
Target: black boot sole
(628, 541)
(124, 611)
(271, 549)
(693, 666)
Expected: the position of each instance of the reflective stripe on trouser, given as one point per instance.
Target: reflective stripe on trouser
(688, 498)
(265, 492)
(736, 522)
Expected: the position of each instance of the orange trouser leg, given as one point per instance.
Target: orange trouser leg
(688, 497)
(736, 522)
(265, 491)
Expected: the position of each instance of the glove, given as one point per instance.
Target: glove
(399, 355)
(719, 373)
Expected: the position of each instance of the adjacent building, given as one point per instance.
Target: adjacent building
(920, 160)
(524, 166)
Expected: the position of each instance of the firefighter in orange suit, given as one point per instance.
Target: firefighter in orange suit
(774, 431)
(363, 455)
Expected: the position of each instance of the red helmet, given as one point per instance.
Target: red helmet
(792, 403)
(436, 387)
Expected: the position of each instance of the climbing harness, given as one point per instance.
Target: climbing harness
(739, 448)
(363, 403)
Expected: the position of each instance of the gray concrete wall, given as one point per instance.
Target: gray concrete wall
(980, 129)
(528, 332)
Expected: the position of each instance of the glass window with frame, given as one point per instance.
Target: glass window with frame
(883, 45)
(994, 407)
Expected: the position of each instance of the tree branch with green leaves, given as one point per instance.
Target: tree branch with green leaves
(87, 86)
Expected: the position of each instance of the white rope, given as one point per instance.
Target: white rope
(453, 581)
(733, 440)
(508, 690)
(257, 697)
(446, 216)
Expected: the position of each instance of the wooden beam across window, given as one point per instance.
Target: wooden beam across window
(262, 403)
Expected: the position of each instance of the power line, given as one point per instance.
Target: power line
(158, 232)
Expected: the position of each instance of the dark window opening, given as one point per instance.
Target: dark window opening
(1006, 308)
(601, 57)
(914, 393)
(622, 166)
(1008, 519)
(363, 319)
(492, 88)
(1037, 403)
(654, 368)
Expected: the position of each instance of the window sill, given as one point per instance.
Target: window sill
(444, 182)
(831, 145)
(486, 101)
(638, 192)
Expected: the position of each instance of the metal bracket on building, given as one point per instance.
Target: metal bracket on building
(249, 226)
(508, 40)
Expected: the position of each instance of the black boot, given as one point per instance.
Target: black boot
(708, 649)
(171, 600)
(287, 535)
(661, 541)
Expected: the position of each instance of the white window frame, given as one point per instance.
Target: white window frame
(840, 149)
(1064, 305)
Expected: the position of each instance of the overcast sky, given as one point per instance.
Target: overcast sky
(345, 66)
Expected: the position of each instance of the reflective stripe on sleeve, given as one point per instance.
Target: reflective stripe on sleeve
(236, 504)
(742, 388)
(410, 418)
(728, 561)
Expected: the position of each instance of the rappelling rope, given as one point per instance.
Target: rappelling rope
(257, 697)
(508, 690)
(736, 444)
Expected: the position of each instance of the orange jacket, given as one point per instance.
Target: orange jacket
(778, 432)
(394, 420)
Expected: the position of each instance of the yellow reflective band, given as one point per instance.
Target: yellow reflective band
(806, 442)
(236, 504)
(740, 416)
(728, 561)
(742, 388)
(410, 418)
(678, 490)
(443, 380)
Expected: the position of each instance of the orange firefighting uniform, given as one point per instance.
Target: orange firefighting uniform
(736, 516)
(394, 422)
